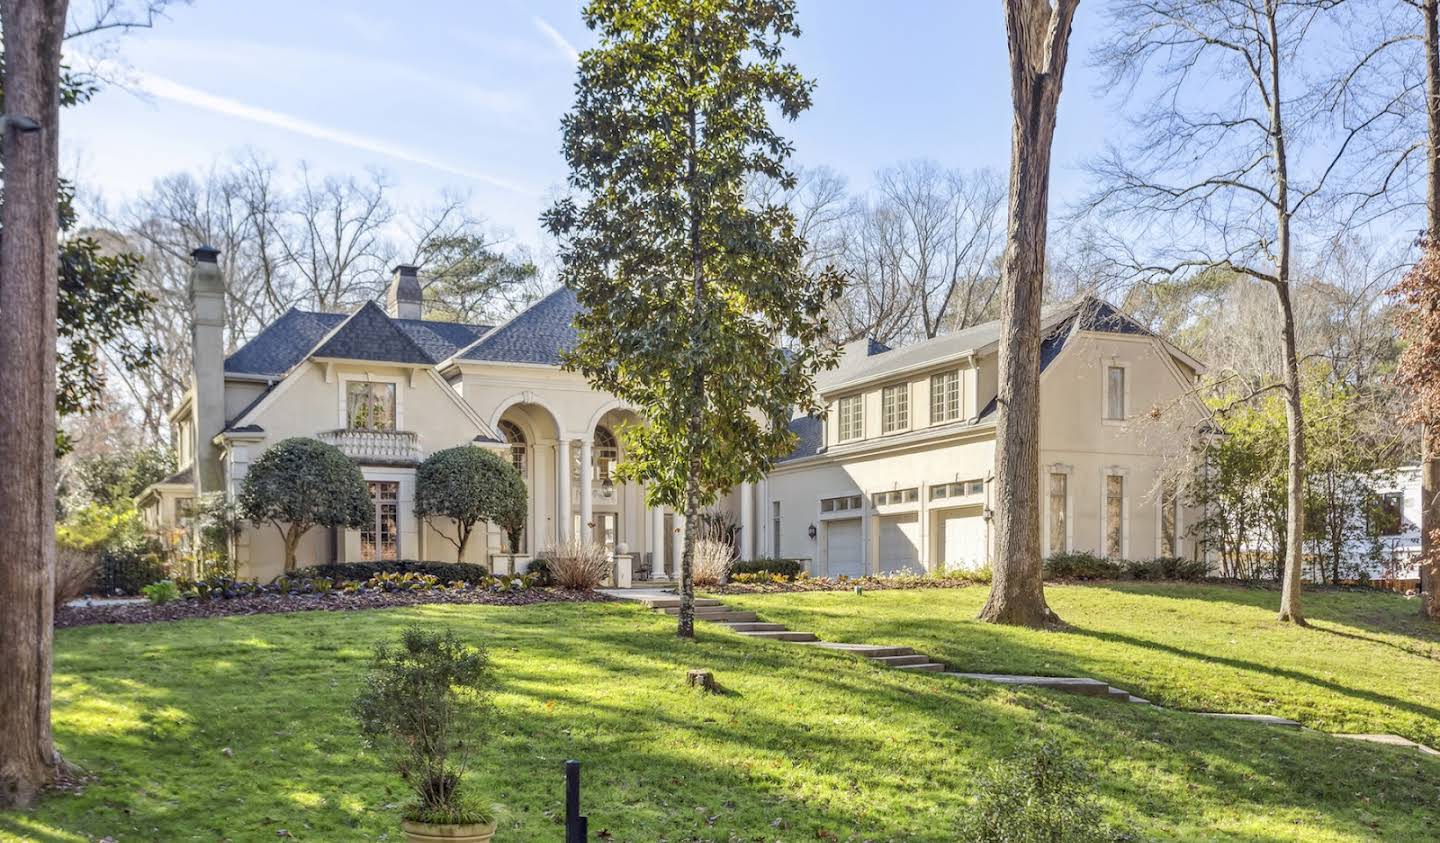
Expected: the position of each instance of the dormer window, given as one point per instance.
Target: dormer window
(945, 397)
(895, 408)
(370, 406)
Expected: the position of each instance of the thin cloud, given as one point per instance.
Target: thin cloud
(558, 40)
(168, 89)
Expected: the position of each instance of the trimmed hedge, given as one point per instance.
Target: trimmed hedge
(787, 568)
(126, 570)
(1084, 565)
(361, 571)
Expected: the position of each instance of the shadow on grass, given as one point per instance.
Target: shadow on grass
(807, 743)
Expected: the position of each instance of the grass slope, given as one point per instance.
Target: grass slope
(1368, 662)
(802, 745)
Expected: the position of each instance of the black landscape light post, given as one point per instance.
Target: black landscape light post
(577, 828)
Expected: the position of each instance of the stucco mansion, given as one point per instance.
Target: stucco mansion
(898, 475)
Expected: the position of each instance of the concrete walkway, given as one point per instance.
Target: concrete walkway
(905, 658)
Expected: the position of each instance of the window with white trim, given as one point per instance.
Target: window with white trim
(958, 489)
(1059, 501)
(516, 438)
(895, 408)
(895, 496)
(369, 406)
(775, 529)
(945, 397)
(1115, 392)
(1169, 520)
(850, 412)
(845, 503)
(1114, 515)
(380, 537)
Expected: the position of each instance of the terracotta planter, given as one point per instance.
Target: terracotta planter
(428, 833)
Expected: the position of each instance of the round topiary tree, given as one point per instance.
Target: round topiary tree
(302, 483)
(468, 485)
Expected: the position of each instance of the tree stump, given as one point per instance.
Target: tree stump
(702, 679)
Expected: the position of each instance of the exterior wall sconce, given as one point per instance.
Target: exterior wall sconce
(812, 532)
(989, 514)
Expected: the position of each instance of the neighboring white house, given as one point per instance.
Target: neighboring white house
(899, 476)
(1392, 555)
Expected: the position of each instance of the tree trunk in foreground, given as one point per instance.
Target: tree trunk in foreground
(1429, 459)
(28, 273)
(1039, 37)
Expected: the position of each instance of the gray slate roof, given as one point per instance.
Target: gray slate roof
(370, 334)
(1097, 315)
(540, 334)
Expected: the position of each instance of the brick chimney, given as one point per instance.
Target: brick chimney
(207, 353)
(402, 300)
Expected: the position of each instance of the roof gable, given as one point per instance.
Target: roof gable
(541, 334)
(282, 344)
(369, 334)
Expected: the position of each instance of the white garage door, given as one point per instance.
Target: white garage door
(963, 541)
(842, 547)
(900, 543)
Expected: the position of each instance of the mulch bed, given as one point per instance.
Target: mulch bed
(824, 584)
(270, 604)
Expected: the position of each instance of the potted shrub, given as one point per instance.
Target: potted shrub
(423, 706)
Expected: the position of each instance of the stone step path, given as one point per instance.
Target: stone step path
(750, 626)
(905, 658)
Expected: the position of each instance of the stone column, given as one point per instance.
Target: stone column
(587, 489)
(677, 547)
(562, 482)
(657, 543)
(747, 521)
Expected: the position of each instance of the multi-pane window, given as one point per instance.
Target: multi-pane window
(895, 496)
(840, 504)
(380, 538)
(1387, 514)
(959, 489)
(851, 417)
(1114, 515)
(1169, 503)
(775, 529)
(895, 408)
(370, 406)
(516, 437)
(607, 453)
(945, 397)
(1059, 501)
(1115, 392)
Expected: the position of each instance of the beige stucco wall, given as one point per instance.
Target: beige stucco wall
(1074, 438)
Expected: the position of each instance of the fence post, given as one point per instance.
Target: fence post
(576, 826)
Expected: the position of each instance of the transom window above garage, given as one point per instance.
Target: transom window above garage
(896, 496)
(840, 504)
(958, 489)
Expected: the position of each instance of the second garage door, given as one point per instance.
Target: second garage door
(962, 541)
(900, 543)
(842, 548)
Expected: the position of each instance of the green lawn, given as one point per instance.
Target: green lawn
(1368, 663)
(803, 744)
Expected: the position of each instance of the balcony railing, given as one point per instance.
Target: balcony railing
(385, 446)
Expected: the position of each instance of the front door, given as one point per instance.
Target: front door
(606, 529)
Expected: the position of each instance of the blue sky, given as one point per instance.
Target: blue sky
(468, 95)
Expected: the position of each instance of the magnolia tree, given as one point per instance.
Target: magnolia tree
(302, 483)
(689, 286)
(467, 486)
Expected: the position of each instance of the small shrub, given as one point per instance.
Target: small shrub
(789, 569)
(1039, 796)
(75, 571)
(161, 592)
(424, 705)
(1081, 565)
(539, 570)
(578, 564)
(361, 571)
(713, 557)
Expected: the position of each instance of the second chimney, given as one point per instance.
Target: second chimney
(402, 300)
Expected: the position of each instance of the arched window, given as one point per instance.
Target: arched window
(607, 453)
(516, 437)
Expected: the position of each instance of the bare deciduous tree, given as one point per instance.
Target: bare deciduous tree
(1039, 37)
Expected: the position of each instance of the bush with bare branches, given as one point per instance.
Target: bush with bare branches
(75, 571)
(578, 564)
(713, 556)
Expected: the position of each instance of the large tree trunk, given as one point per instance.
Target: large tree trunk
(1429, 458)
(1039, 37)
(1294, 417)
(28, 272)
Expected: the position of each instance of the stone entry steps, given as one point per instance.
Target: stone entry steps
(750, 626)
(1065, 684)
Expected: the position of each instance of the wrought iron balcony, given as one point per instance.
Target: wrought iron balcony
(376, 446)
